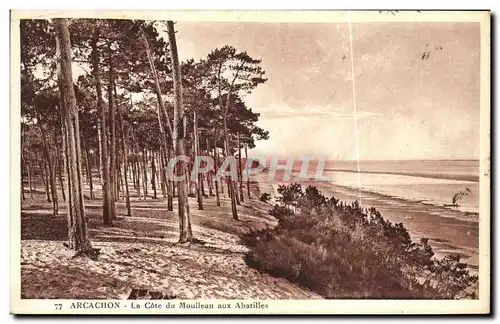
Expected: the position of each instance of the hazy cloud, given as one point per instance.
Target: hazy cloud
(407, 107)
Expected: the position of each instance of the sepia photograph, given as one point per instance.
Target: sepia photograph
(250, 162)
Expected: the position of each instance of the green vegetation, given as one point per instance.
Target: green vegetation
(343, 251)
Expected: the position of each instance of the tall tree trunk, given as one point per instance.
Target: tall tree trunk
(134, 177)
(230, 186)
(246, 170)
(169, 183)
(99, 140)
(138, 183)
(202, 184)
(125, 159)
(119, 185)
(89, 168)
(185, 232)
(82, 242)
(139, 177)
(234, 182)
(85, 165)
(173, 184)
(137, 164)
(162, 174)
(240, 174)
(46, 181)
(210, 172)
(67, 180)
(43, 169)
(145, 174)
(196, 143)
(107, 211)
(153, 174)
(23, 162)
(235, 191)
(50, 167)
(216, 163)
(157, 169)
(112, 139)
(60, 172)
(30, 179)
(23, 166)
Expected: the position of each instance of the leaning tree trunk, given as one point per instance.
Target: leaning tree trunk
(185, 232)
(107, 211)
(65, 76)
(163, 120)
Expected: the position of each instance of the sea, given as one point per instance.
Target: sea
(428, 182)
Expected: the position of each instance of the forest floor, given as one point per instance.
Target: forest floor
(139, 255)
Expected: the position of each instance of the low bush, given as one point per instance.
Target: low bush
(265, 197)
(343, 251)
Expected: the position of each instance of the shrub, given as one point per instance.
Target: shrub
(265, 197)
(342, 251)
(280, 212)
(290, 195)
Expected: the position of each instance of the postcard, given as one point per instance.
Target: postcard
(250, 162)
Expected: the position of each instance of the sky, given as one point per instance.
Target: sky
(406, 107)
